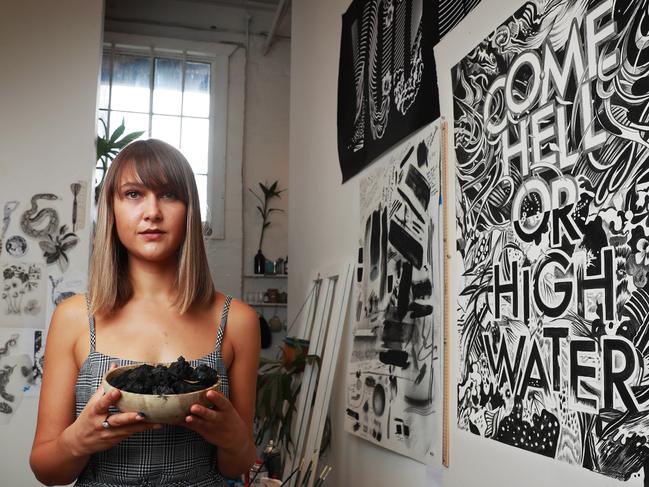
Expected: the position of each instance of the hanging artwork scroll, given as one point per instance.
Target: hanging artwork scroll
(387, 83)
(390, 397)
(551, 123)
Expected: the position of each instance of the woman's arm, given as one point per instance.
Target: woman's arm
(229, 424)
(63, 442)
(243, 331)
(53, 459)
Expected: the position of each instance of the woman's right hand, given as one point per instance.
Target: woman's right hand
(87, 435)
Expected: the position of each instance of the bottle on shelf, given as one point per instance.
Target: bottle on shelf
(260, 263)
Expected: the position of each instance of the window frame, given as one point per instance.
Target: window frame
(218, 55)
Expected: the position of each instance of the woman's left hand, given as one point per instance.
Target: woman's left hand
(221, 426)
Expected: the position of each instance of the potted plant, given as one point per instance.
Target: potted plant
(269, 191)
(278, 387)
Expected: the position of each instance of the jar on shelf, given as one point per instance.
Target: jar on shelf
(273, 295)
(279, 265)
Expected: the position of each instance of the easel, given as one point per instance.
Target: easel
(325, 319)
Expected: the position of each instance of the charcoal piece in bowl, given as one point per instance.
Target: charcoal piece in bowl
(179, 377)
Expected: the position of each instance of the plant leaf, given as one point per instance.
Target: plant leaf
(117, 133)
(127, 139)
(69, 243)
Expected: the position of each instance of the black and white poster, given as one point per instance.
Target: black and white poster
(391, 378)
(387, 83)
(551, 122)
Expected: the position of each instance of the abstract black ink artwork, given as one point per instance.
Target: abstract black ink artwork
(390, 397)
(387, 83)
(551, 136)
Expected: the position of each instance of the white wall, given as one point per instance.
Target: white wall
(323, 229)
(257, 137)
(50, 53)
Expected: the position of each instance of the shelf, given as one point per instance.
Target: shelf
(268, 305)
(265, 276)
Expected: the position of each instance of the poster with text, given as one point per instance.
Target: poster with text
(392, 374)
(551, 123)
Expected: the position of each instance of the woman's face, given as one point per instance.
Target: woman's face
(139, 210)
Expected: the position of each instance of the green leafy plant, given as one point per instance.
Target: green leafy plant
(278, 387)
(109, 146)
(269, 192)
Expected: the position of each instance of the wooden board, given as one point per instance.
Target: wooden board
(446, 203)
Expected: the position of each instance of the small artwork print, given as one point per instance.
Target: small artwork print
(60, 288)
(16, 246)
(22, 295)
(16, 370)
(37, 357)
(390, 396)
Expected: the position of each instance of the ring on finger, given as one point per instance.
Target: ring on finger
(105, 424)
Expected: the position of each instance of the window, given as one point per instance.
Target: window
(177, 94)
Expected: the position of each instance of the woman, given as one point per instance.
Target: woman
(150, 299)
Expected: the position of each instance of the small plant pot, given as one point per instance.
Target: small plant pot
(292, 349)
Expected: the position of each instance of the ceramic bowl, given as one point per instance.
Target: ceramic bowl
(158, 408)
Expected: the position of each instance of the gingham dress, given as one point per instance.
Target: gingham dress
(172, 456)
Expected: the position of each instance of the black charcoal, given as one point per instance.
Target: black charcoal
(178, 378)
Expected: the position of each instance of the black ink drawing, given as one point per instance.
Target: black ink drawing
(9, 208)
(35, 375)
(5, 375)
(387, 83)
(57, 292)
(37, 223)
(80, 195)
(396, 326)
(19, 281)
(16, 369)
(75, 188)
(16, 246)
(39, 358)
(551, 122)
(55, 247)
(10, 343)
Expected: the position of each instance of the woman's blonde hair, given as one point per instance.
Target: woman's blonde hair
(159, 166)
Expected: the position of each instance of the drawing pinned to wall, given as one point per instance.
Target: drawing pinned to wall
(17, 374)
(16, 246)
(22, 295)
(37, 359)
(552, 216)
(391, 398)
(8, 209)
(55, 247)
(80, 196)
(387, 83)
(39, 223)
(60, 288)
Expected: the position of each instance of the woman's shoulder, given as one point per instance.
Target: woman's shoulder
(69, 320)
(242, 319)
(70, 317)
(241, 312)
(72, 309)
